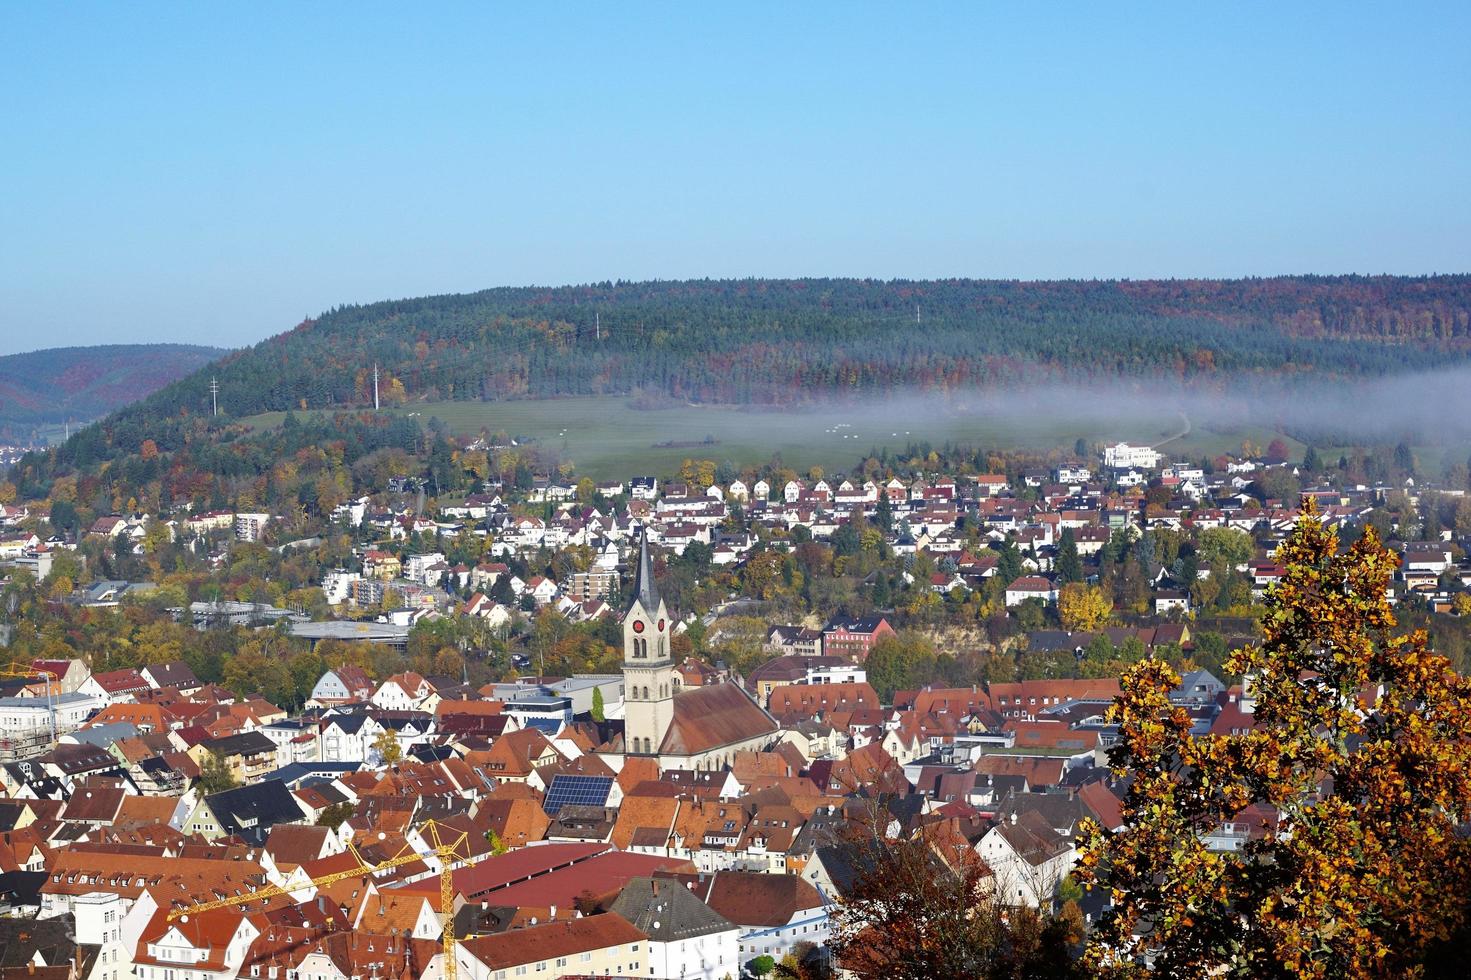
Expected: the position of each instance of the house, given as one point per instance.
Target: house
(68, 675)
(686, 937)
(406, 691)
(854, 638)
(1031, 587)
(248, 812)
(1028, 857)
(249, 755)
(594, 945)
(175, 674)
(197, 947)
(1123, 456)
(382, 565)
(348, 738)
(1171, 600)
(643, 488)
(775, 912)
(116, 685)
(341, 685)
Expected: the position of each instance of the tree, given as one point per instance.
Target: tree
(1310, 461)
(388, 748)
(1008, 562)
(912, 915)
(883, 513)
(215, 774)
(1277, 451)
(335, 814)
(1224, 544)
(761, 966)
(1404, 458)
(1357, 772)
(1069, 565)
(597, 704)
(1083, 607)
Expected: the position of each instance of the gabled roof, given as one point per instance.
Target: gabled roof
(749, 898)
(552, 940)
(709, 717)
(667, 912)
(176, 673)
(252, 810)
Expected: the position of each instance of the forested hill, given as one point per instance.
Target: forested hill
(761, 341)
(786, 340)
(79, 384)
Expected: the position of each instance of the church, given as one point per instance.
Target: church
(693, 728)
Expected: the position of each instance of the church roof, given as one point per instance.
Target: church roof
(706, 718)
(645, 589)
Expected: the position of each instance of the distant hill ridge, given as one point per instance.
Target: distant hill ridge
(79, 384)
(785, 340)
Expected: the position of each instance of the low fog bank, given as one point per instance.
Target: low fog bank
(1423, 408)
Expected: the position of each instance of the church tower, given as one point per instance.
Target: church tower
(649, 678)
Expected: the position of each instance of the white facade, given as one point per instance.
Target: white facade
(806, 926)
(250, 527)
(708, 957)
(1018, 881)
(337, 585)
(1124, 456)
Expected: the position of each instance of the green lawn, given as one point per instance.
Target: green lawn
(606, 437)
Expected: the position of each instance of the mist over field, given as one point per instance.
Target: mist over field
(1430, 407)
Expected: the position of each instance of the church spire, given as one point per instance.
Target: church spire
(645, 589)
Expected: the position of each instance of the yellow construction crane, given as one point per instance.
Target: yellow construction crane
(23, 670)
(443, 845)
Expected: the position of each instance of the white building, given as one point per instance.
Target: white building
(337, 585)
(1124, 456)
(687, 938)
(1029, 858)
(250, 527)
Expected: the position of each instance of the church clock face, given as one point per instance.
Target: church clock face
(638, 625)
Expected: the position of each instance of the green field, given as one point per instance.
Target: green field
(607, 437)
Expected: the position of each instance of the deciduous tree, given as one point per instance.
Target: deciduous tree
(1357, 770)
(1083, 607)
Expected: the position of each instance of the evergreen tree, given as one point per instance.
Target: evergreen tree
(883, 514)
(1069, 565)
(1404, 458)
(1310, 461)
(1009, 563)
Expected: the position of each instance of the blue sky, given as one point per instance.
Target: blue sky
(213, 174)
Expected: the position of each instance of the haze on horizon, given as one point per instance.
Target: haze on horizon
(211, 176)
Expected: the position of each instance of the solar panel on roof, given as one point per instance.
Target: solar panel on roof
(569, 789)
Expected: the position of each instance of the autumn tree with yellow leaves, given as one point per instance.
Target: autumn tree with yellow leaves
(1083, 607)
(1357, 770)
